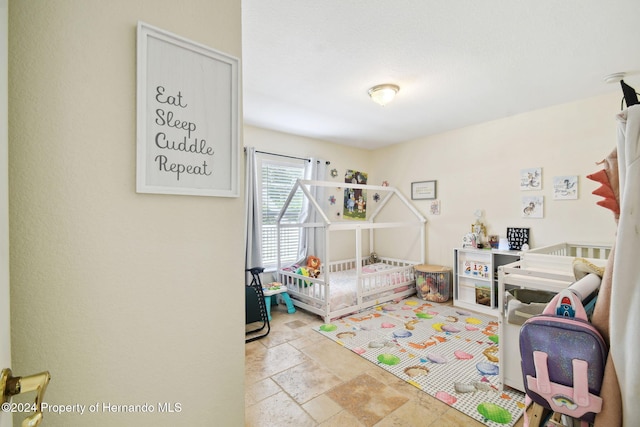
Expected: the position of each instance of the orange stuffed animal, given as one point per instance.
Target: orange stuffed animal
(313, 266)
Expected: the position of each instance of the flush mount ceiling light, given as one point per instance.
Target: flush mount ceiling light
(614, 78)
(383, 94)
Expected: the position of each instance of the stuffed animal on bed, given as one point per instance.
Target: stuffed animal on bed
(313, 266)
(303, 271)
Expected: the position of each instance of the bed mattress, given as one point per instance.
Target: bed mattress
(342, 284)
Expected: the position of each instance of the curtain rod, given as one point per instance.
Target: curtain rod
(289, 157)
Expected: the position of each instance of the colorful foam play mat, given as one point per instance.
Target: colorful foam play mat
(445, 351)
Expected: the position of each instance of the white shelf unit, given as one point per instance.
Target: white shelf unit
(475, 277)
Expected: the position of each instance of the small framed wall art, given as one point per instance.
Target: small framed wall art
(531, 179)
(565, 187)
(434, 207)
(533, 207)
(517, 237)
(423, 190)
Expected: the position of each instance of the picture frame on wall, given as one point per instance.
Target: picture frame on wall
(434, 207)
(533, 207)
(517, 237)
(423, 190)
(531, 179)
(187, 117)
(565, 187)
(355, 199)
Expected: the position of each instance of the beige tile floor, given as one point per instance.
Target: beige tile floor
(296, 377)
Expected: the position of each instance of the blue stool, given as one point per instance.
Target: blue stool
(282, 291)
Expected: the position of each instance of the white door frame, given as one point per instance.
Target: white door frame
(5, 328)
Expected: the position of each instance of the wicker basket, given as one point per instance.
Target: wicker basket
(433, 282)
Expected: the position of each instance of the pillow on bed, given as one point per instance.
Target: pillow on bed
(380, 266)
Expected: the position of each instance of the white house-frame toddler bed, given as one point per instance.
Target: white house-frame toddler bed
(346, 286)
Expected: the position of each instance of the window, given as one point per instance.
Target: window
(276, 181)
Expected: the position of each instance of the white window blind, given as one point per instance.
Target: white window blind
(277, 180)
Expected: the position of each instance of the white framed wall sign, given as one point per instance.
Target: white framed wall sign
(187, 117)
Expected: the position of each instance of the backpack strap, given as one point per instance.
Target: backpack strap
(574, 401)
(580, 382)
(542, 371)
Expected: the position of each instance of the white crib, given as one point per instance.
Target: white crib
(548, 268)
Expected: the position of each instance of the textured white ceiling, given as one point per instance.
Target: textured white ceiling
(307, 65)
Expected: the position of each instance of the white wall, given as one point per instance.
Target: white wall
(342, 158)
(125, 298)
(478, 167)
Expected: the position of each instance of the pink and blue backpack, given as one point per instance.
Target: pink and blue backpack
(563, 359)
